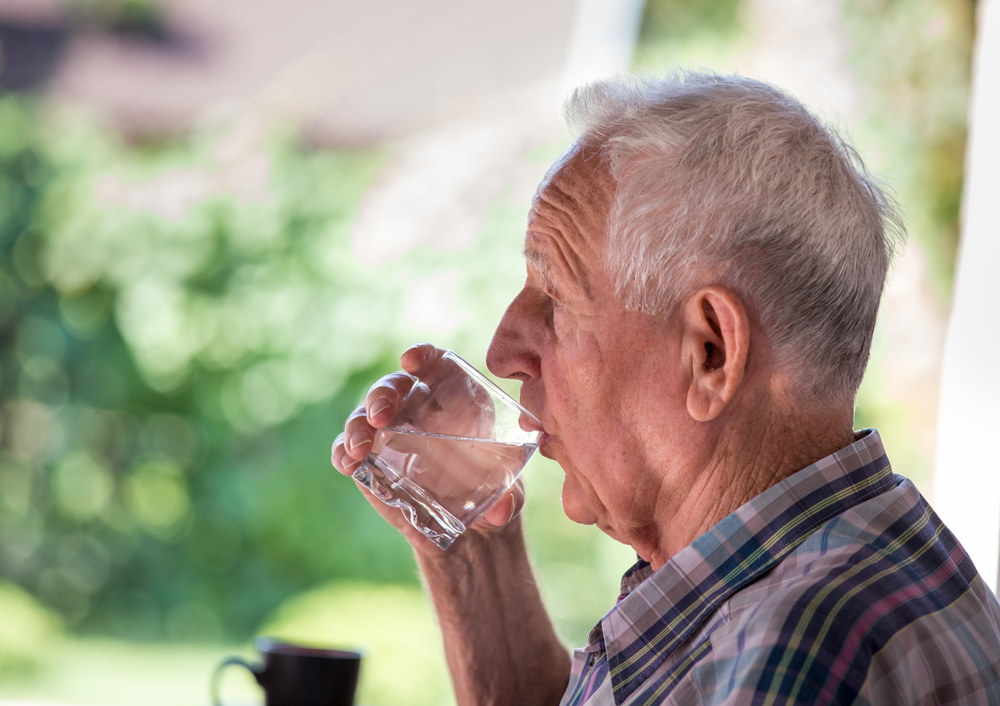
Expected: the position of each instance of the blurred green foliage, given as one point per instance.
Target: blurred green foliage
(26, 632)
(689, 33)
(98, 671)
(182, 339)
(137, 16)
(392, 625)
(677, 20)
(913, 61)
(169, 388)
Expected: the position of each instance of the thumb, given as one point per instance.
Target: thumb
(507, 507)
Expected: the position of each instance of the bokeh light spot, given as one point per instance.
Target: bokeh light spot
(81, 486)
(157, 497)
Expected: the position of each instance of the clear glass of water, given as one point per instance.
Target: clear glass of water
(456, 445)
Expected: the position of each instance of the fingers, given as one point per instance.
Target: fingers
(353, 444)
(358, 435)
(507, 507)
(339, 458)
(417, 357)
(383, 399)
(380, 406)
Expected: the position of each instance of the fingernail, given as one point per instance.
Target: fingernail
(359, 438)
(378, 406)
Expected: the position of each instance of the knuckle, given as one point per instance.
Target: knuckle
(356, 415)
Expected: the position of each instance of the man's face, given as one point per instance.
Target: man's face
(604, 381)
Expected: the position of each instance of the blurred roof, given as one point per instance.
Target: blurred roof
(348, 72)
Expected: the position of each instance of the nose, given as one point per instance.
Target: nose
(513, 352)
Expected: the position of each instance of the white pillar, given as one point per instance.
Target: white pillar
(602, 40)
(967, 476)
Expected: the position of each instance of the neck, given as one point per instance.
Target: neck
(742, 460)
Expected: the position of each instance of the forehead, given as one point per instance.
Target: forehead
(567, 224)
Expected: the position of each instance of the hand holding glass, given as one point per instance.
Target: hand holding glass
(456, 445)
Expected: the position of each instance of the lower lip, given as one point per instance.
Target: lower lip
(543, 442)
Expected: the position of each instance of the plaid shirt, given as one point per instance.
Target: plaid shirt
(838, 585)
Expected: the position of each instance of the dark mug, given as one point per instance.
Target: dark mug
(292, 675)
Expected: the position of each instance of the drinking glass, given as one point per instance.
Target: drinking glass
(456, 445)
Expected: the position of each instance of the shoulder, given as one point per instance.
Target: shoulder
(878, 603)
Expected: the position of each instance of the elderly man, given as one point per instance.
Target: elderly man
(704, 270)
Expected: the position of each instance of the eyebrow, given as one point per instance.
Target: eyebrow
(541, 261)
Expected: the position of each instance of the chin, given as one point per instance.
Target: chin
(611, 533)
(573, 505)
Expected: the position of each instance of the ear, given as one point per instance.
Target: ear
(715, 345)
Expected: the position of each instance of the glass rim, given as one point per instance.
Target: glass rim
(492, 386)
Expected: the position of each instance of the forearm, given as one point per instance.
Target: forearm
(499, 642)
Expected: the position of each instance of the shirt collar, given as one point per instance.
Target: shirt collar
(663, 608)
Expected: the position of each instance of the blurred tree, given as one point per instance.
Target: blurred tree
(913, 60)
(144, 17)
(184, 330)
(676, 20)
(689, 33)
(170, 387)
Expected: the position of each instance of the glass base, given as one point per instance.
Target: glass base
(420, 510)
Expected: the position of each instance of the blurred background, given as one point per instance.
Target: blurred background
(221, 221)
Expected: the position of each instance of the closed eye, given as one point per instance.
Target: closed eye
(549, 306)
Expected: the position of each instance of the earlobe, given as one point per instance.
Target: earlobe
(715, 346)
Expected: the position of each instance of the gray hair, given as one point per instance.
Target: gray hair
(732, 177)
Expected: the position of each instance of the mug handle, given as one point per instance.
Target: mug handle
(256, 670)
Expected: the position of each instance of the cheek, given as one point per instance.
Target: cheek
(584, 400)
(579, 356)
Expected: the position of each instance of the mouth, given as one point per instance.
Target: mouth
(528, 421)
(545, 446)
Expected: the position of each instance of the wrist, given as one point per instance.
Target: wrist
(474, 548)
(474, 571)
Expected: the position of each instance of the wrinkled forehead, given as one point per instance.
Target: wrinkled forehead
(583, 166)
(579, 188)
(567, 225)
